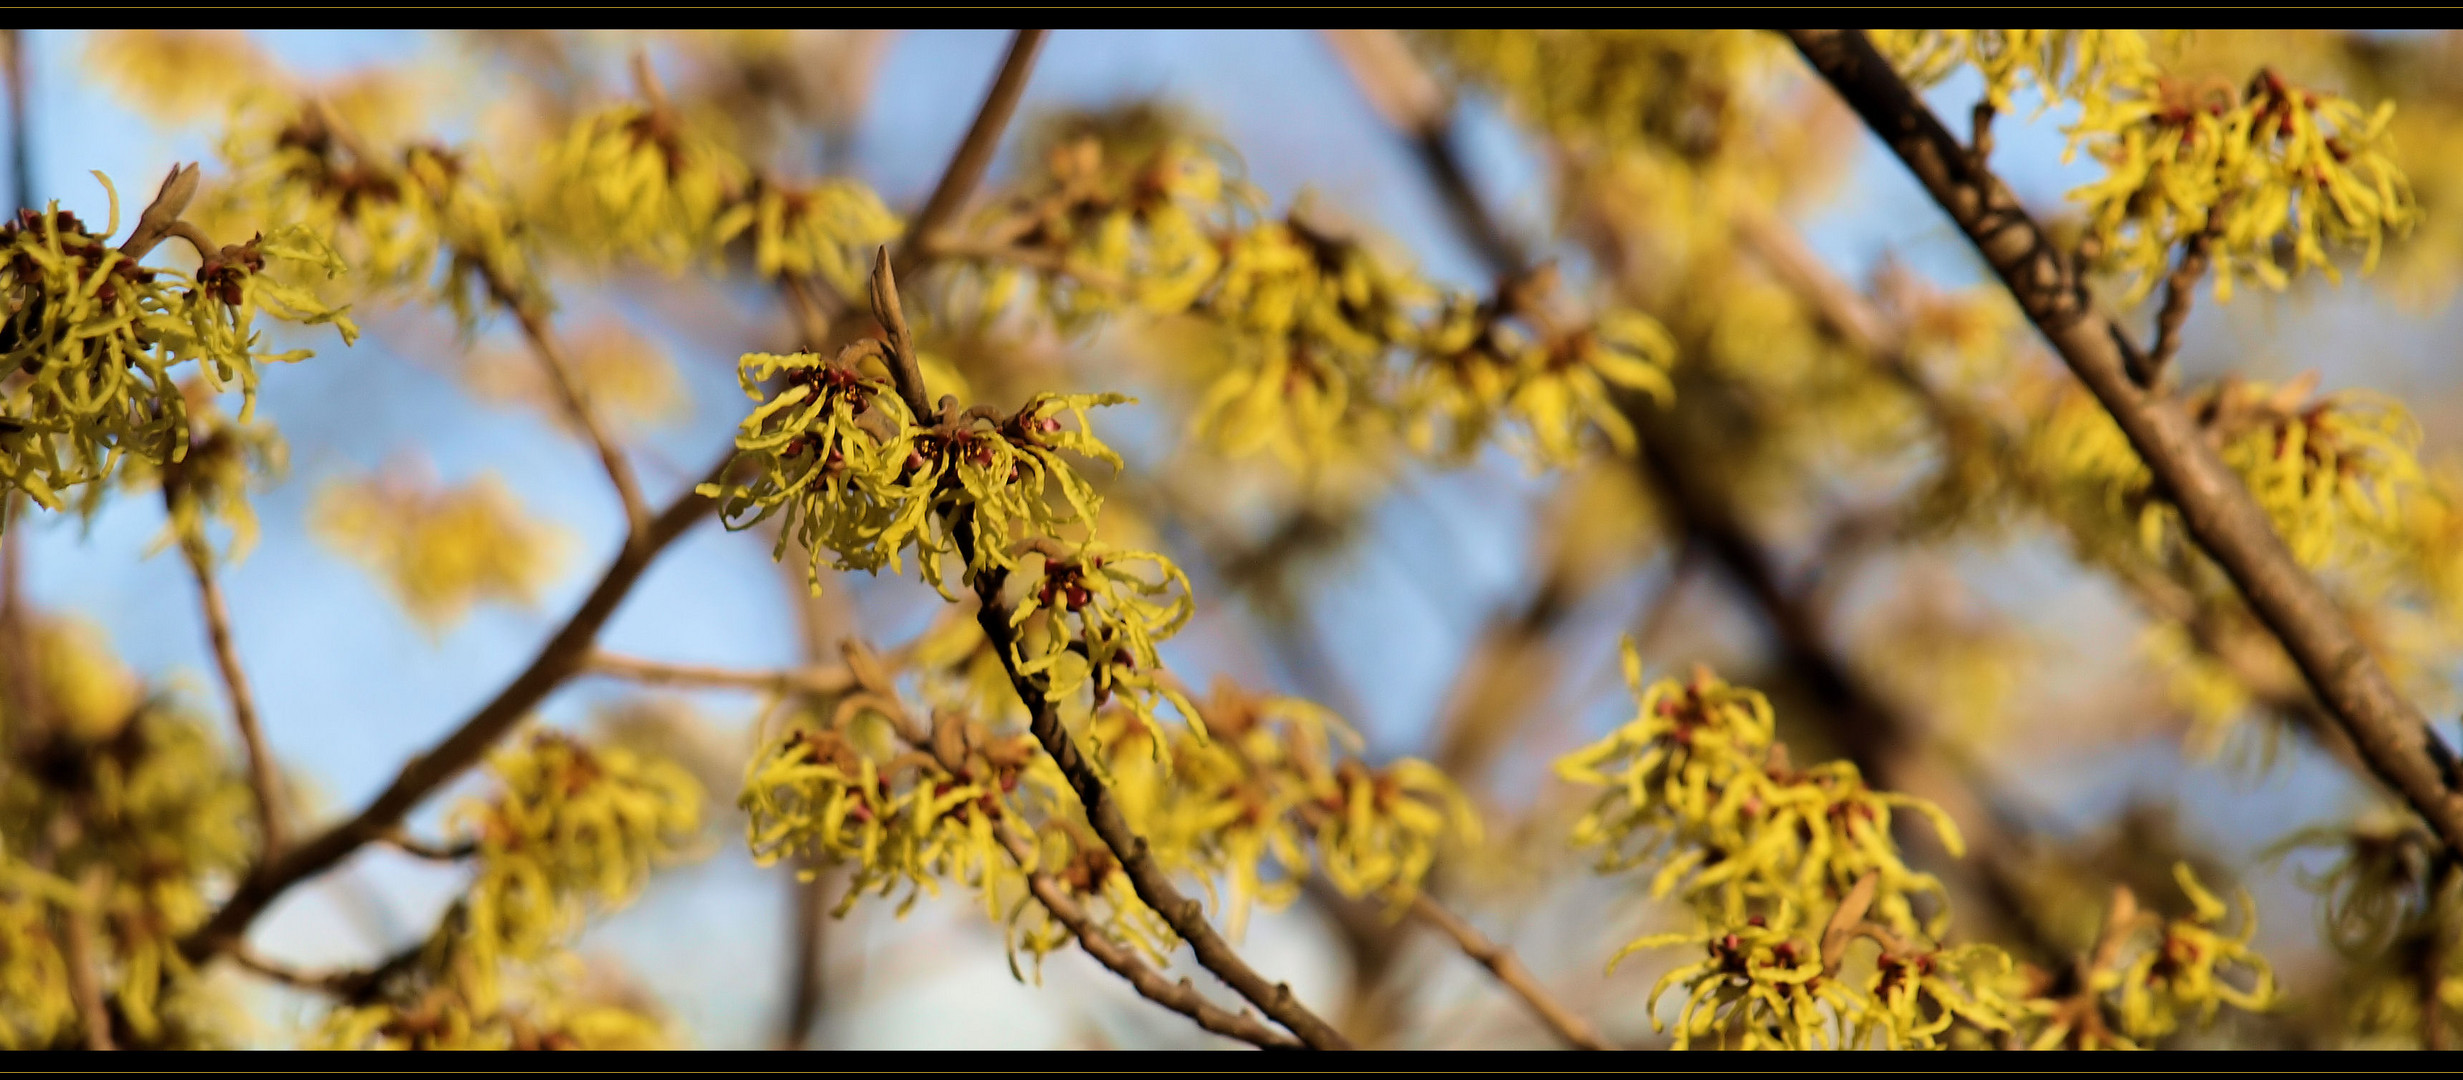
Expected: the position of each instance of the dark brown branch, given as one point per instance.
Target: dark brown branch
(21, 140)
(2216, 508)
(563, 656)
(2178, 289)
(1180, 997)
(401, 840)
(974, 154)
(1184, 915)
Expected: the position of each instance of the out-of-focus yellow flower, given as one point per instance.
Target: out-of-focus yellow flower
(440, 550)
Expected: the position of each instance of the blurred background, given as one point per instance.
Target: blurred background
(1381, 620)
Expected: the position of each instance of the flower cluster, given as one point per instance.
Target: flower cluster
(2333, 473)
(1316, 349)
(2266, 177)
(451, 999)
(569, 828)
(440, 551)
(1687, 91)
(1700, 792)
(910, 806)
(635, 181)
(832, 445)
(2147, 974)
(2392, 905)
(94, 341)
(2090, 67)
(124, 815)
(397, 215)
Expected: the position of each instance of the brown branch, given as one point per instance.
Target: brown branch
(85, 962)
(1402, 91)
(559, 659)
(264, 775)
(1184, 915)
(575, 401)
(1180, 997)
(1508, 969)
(401, 840)
(2215, 506)
(974, 154)
(2177, 292)
(811, 680)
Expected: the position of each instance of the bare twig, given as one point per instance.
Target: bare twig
(2216, 507)
(576, 402)
(1508, 969)
(264, 775)
(974, 154)
(1410, 100)
(559, 659)
(811, 680)
(2178, 290)
(1180, 997)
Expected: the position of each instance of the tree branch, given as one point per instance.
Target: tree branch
(1180, 997)
(264, 776)
(2215, 506)
(1402, 92)
(559, 659)
(1185, 916)
(575, 400)
(974, 154)
(1508, 969)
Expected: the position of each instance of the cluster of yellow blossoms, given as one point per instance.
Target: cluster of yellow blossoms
(119, 826)
(571, 827)
(1785, 869)
(1241, 806)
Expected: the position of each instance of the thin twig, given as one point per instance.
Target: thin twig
(1416, 106)
(2178, 290)
(401, 840)
(559, 659)
(1185, 916)
(1508, 969)
(2216, 507)
(1180, 997)
(974, 154)
(575, 401)
(810, 680)
(264, 775)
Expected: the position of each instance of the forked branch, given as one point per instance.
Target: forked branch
(2215, 506)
